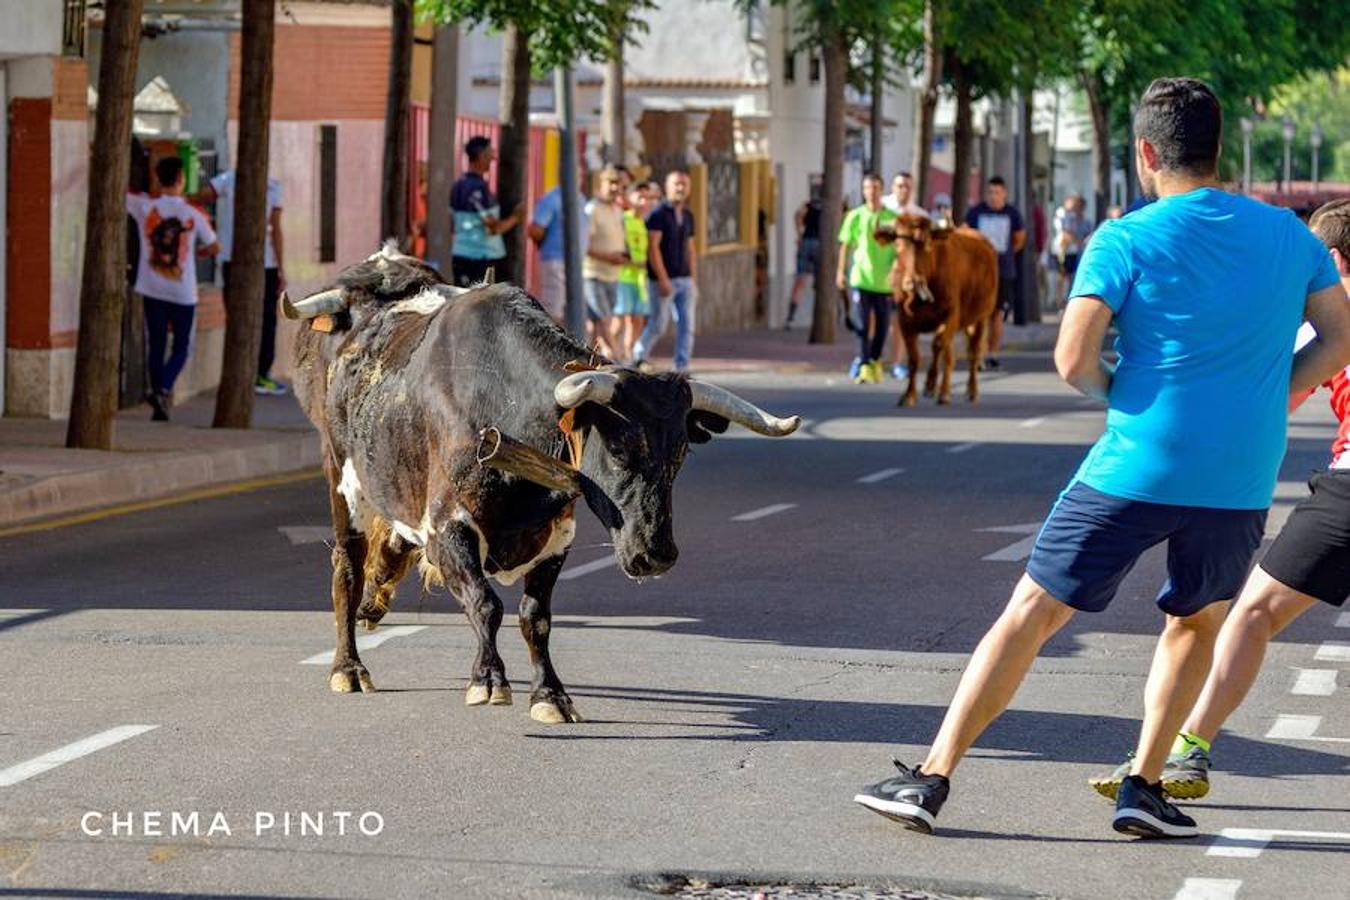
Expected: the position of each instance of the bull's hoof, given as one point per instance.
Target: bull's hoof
(350, 679)
(972, 398)
(908, 400)
(501, 695)
(554, 713)
(477, 695)
(944, 401)
(370, 613)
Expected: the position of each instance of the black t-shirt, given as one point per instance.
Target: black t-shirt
(811, 222)
(676, 230)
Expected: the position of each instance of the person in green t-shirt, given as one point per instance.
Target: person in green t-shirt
(631, 304)
(869, 278)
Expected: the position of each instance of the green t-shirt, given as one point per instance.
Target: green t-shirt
(872, 262)
(635, 234)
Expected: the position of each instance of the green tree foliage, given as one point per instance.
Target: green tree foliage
(560, 31)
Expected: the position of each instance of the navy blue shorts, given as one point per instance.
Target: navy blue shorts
(1091, 541)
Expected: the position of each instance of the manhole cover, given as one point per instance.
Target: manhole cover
(696, 888)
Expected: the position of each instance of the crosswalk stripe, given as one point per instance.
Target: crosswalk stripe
(70, 752)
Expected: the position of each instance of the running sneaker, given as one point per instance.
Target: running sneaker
(268, 387)
(899, 372)
(911, 798)
(1143, 811)
(159, 404)
(854, 368)
(990, 363)
(1185, 776)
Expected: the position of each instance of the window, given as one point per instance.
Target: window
(327, 193)
(789, 67)
(73, 29)
(815, 68)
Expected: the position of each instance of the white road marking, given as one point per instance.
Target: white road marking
(962, 448)
(70, 752)
(365, 642)
(1300, 728)
(1208, 889)
(1032, 423)
(1247, 843)
(306, 534)
(594, 565)
(1343, 620)
(1333, 651)
(1315, 682)
(880, 476)
(764, 512)
(1018, 551)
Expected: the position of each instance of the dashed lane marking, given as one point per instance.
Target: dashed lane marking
(70, 752)
(1208, 889)
(594, 565)
(1248, 843)
(1343, 620)
(1018, 551)
(1300, 728)
(306, 534)
(1333, 651)
(1032, 423)
(880, 476)
(962, 448)
(1315, 682)
(764, 512)
(365, 642)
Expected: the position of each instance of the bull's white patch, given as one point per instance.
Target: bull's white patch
(419, 535)
(564, 531)
(350, 489)
(425, 303)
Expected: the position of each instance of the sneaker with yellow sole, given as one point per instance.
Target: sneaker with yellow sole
(1185, 776)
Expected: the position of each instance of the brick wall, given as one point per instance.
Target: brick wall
(28, 248)
(323, 72)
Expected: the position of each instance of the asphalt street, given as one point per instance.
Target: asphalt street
(829, 589)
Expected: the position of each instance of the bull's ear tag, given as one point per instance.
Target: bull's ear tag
(325, 323)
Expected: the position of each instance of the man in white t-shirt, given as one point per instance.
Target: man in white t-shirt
(221, 191)
(172, 232)
(901, 202)
(606, 253)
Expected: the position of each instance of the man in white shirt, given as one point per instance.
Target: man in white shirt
(606, 253)
(901, 202)
(171, 232)
(220, 190)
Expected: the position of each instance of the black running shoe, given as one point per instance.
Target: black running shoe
(911, 798)
(158, 405)
(1143, 811)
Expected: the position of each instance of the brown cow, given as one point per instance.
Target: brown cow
(961, 270)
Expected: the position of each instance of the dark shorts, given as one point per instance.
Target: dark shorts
(1069, 264)
(1312, 553)
(1091, 541)
(808, 256)
(601, 297)
(1005, 294)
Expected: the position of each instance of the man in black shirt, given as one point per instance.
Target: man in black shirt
(808, 253)
(672, 264)
(1001, 224)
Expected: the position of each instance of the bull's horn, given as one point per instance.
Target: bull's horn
(314, 305)
(583, 387)
(722, 402)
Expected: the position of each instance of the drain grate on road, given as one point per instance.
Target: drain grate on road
(691, 887)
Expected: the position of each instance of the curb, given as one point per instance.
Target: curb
(156, 476)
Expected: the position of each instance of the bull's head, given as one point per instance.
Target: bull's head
(916, 235)
(638, 429)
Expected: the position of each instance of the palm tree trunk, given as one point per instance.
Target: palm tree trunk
(441, 165)
(878, 88)
(244, 291)
(962, 142)
(513, 164)
(834, 56)
(925, 110)
(103, 284)
(394, 202)
(615, 151)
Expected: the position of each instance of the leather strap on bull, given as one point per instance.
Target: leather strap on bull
(573, 437)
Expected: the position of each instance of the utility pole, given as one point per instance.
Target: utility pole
(1315, 139)
(1247, 127)
(575, 313)
(1288, 145)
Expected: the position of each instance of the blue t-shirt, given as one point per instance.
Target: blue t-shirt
(548, 215)
(470, 200)
(1208, 289)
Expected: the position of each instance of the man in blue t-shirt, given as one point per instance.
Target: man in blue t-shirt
(477, 219)
(546, 230)
(1207, 290)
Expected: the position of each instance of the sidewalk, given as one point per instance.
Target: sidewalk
(41, 478)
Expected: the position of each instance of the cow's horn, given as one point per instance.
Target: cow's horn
(314, 305)
(722, 402)
(583, 387)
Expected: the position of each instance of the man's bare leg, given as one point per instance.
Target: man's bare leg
(995, 333)
(1180, 662)
(995, 671)
(1263, 610)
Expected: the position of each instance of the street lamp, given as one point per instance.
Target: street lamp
(1247, 127)
(1288, 143)
(1315, 139)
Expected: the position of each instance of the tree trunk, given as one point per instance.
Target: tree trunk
(962, 142)
(244, 291)
(441, 165)
(1030, 257)
(834, 56)
(1131, 177)
(878, 88)
(615, 150)
(925, 109)
(394, 205)
(1101, 144)
(513, 162)
(103, 282)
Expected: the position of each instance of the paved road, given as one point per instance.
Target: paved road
(829, 588)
